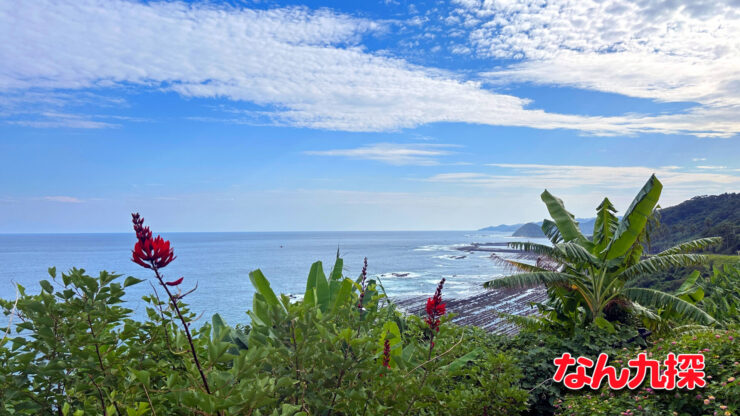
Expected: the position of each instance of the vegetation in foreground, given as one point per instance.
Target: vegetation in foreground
(73, 348)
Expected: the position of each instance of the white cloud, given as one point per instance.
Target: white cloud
(305, 67)
(63, 199)
(582, 187)
(710, 167)
(699, 159)
(423, 154)
(604, 177)
(678, 51)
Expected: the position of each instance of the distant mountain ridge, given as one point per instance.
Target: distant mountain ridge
(534, 229)
(701, 216)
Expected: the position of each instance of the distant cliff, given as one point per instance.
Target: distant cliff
(531, 230)
(502, 227)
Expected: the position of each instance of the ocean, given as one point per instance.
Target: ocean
(409, 263)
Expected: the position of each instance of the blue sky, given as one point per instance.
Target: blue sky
(377, 115)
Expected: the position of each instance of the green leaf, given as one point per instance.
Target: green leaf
(634, 219)
(344, 294)
(46, 286)
(309, 298)
(142, 376)
(393, 334)
(660, 263)
(605, 225)
(524, 280)
(259, 313)
(130, 281)
(263, 287)
(657, 299)
(218, 324)
(317, 279)
(576, 254)
(336, 272)
(565, 221)
(693, 245)
(605, 325)
(53, 273)
(461, 362)
(551, 231)
(689, 290)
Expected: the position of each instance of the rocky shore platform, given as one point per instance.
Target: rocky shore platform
(482, 309)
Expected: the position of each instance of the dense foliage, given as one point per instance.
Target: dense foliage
(701, 216)
(343, 349)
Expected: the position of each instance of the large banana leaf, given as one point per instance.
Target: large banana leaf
(531, 279)
(565, 221)
(317, 287)
(514, 265)
(689, 290)
(343, 294)
(659, 263)
(658, 299)
(262, 285)
(577, 254)
(551, 231)
(605, 225)
(693, 245)
(635, 218)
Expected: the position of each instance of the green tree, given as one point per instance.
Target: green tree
(587, 278)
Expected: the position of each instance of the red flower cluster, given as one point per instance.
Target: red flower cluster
(435, 308)
(152, 253)
(387, 354)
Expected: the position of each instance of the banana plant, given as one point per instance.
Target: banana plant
(593, 275)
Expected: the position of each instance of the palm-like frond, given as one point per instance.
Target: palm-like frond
(576, 253)
(551, 231)
(528, 322)
(691, 329)
(605, 225)
(659, 263)
(634, 219)
(549, 252)
(566, 222)
(516, 265)
(655, 298)
(644, 312)
(693, 245)
(531, 279)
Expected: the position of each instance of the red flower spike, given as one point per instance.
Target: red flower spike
(175, 282)
(387, 354)
(148, 252)
(435, 308)
(362, 284)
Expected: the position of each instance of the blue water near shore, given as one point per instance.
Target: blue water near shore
(221, 262)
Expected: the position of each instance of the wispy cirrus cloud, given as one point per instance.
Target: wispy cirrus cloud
(63, 199)
(306, 68)
(422, 154)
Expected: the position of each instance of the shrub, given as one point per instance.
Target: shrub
(721, 395)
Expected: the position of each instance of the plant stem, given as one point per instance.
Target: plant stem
(173, 299)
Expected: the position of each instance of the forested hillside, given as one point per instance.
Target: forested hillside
(701, 216)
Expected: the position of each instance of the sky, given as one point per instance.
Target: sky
(372, 115)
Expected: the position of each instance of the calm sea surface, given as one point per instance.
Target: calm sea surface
(221, 262)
